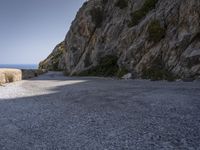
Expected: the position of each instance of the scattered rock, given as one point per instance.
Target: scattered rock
(127, 76)
(188, 79)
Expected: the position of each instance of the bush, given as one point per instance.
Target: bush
(85, 3)
(156, 32)
(104, 2)
(56, 58)
(121, 4)
(138, 15)
(66, 72)
(149, 5)
(121, 72)
(157, 72)
(97, 16)
(107, 67)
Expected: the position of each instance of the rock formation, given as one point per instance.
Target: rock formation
(149, 38)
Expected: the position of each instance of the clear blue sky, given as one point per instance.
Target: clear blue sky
(30, 29)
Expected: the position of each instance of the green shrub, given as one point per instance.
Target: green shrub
(157, 72)
(97, 16)
(156, 32)
(85, 3)
(121, 4)
(66, 73)
(138, 15)
(104, 2)
(121, 72)
(107, 67)
(149, 5)
(56, 58)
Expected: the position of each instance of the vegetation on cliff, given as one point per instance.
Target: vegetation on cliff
(54, 58)
(138, 15)
(158, 71)
(97, 16)
(121, 4)
(107, 66)
(156, 32)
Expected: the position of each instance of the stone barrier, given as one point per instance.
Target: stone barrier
(31, 73)
(13, 75)
(10, 75)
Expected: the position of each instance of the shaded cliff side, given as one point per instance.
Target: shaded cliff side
(145, 37)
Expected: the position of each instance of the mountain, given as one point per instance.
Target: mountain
(149, 38)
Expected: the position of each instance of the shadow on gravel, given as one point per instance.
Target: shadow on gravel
(103, 114)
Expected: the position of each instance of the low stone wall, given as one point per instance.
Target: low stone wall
(10, 75)
(13, 75)
(31, 73)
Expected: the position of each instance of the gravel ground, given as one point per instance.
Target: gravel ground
(53, 112)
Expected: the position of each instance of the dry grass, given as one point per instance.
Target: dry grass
(10, 75)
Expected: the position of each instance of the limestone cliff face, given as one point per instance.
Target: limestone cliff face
(144, 35)
(54, 62)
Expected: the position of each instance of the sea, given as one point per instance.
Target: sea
(19, 66)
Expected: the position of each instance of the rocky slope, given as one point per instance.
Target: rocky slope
(149, 38)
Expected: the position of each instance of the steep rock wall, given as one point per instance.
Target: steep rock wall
(145, 36)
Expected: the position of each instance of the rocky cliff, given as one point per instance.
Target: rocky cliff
(149, 38)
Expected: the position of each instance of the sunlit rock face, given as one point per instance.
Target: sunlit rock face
(149, 38)
(54, 62)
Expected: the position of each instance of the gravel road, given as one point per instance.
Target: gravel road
(53, 112)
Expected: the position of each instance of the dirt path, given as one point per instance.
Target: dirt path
(55, 112)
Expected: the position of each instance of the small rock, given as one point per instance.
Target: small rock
(178, 80)
(188, 79)
(127, 76)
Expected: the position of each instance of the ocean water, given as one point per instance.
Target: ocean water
(19, 66)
